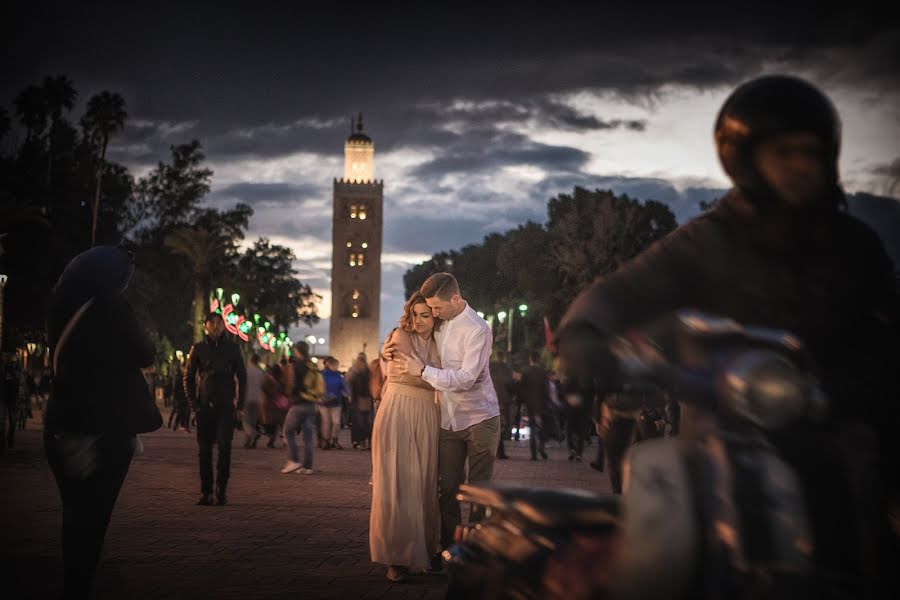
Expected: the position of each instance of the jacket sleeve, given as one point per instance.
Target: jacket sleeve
(190, 378)
(240, 371)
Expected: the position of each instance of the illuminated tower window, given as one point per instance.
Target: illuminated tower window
(365, 245)
(355, 305)
(359, 211)
(356, 259)
(350, 244)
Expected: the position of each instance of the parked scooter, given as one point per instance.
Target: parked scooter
(712, 513)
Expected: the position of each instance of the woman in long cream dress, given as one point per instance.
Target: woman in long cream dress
(405, 522)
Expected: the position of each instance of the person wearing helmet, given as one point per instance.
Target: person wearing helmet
(778, 250)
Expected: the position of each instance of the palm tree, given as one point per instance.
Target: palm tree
(105, 116)
(202, 248)
(59, 95)
(31, 107)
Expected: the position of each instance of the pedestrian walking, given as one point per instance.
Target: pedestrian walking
(256, 381)
(533, 388)
(361, 403)
(214, 368)
(332, 404)
(504, 387)
(97, 407)
(308, 388)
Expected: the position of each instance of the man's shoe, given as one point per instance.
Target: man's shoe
(205, 500)
(271, 444)
(336, 445)
(543, 455)
(290, 466)
(396, 574)
(534, 458)
(577, 458)
(597, 466)
(502, 456)
(221, 499)
(304, 471)
(571, 456)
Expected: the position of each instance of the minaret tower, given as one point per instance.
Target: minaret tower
(356, 234)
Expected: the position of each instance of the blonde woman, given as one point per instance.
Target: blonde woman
(405, 522)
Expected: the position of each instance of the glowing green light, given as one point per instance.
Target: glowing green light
(523, 307)
(235, 298)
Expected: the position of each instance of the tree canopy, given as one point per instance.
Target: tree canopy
(59, 194)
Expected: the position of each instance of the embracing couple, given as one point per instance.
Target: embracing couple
(438, 411)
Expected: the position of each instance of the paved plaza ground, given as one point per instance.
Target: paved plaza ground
(280, 536)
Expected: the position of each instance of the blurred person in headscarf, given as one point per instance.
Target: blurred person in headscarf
(98, 403)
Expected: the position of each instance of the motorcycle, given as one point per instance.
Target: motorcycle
(715, 512)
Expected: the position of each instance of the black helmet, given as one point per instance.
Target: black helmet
(769, 106)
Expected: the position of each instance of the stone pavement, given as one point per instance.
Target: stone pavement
(280, 536)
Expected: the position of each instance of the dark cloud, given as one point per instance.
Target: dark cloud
(268, 193)
(245, 75)
(550, 158)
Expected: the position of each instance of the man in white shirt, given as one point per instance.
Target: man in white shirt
(470, 415)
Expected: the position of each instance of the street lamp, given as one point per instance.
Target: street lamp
(311, 340)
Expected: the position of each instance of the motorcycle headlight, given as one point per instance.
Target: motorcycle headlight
(768, 389)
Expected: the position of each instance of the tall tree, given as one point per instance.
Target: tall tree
(593, 233)
(172, 191)
(201, 247)
(105, 117)
(59, 96)
(31, 108)
(265, 275)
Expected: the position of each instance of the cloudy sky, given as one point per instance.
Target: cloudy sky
(479, 115)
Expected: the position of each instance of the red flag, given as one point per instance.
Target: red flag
(548, 336)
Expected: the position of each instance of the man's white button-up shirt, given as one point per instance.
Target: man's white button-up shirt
(464, 381)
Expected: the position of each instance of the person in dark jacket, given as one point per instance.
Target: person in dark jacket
(361, 404)
(215, 366)
(181, 408)
(96, 407)
(779, 250)
(502, 378)
(534, 390)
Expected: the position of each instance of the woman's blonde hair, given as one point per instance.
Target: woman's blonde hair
(408, 319)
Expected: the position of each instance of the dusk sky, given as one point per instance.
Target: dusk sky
(479, 116)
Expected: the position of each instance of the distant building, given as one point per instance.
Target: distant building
(356, 234)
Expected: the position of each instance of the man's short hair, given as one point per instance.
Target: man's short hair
(212, 317)
(301, 348)
(442, 285)
(254, 359)
(501, 355)
(534, 356)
